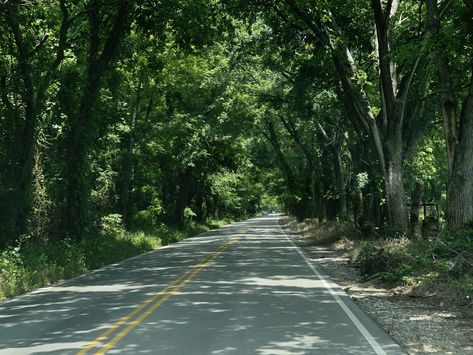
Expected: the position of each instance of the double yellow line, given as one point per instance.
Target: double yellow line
(154, 302)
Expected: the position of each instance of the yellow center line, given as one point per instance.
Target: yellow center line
(122, 320)
(177, 284)
(150, 310)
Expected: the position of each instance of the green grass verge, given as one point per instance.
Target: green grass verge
(33, 263)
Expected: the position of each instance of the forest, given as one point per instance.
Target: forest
(128, 124)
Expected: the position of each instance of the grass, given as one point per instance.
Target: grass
(34, 262)
(322, 233)
(441, 266)
(436, 267)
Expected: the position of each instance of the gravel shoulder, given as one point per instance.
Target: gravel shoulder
(421, 325)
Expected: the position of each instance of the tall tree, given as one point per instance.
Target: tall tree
(458, 128)
(107, 25)
(35, 68)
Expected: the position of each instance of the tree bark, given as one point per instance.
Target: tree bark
(394, 113)
(416, 199)
(272, 137)
(447, 97)
(83, 126)
(459, 141)
(183, 196)
(394, 97)
(460, 186)
(199, 206)
(22, 146)
(394, 184)
(26, 137)
(128, 163)
(333, 145)
(338, 170)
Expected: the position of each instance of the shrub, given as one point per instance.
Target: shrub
(382, 256)
(328, 232)
(111, 225)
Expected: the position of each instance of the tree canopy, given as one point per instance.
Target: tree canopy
(171, 111)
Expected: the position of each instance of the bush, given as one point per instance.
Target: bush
(35, 263)
(382, 256)
(327, 232)
(111, 225)
(442, 266)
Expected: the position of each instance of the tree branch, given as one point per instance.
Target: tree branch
(445, 6)
(48, 77)
(40, 44)
(23, 56)
(468, 3)
(384, 57)
(114, 37)
(3, 90)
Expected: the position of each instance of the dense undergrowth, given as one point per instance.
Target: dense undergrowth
(35, 262)
(440, 266)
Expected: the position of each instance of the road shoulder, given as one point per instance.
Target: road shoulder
(421, 325)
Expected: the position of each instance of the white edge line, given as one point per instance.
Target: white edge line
(366, 334)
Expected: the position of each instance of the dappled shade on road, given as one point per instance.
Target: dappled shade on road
(257, 297)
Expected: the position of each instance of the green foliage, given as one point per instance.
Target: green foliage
(196, 110)
(430, 166)
(33, 263)
(378, 257)
(189, 214)
(146, 219)
(440, 266)
(112, 225)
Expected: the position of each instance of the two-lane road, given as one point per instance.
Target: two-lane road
(242, 289)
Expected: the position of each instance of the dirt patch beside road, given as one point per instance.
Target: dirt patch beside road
(421, 325)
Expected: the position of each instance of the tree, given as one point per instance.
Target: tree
(34, 68)
(458, 129)
(103, 40)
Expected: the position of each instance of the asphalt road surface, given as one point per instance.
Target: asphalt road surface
(243, 289)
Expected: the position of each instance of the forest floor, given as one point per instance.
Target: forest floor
(420, 323)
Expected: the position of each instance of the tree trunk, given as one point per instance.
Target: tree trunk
(199, 206)
(395, 193)
(460, 186)
(183, 196)
(80, 141)
(327, 208)
(447, 96)
(416, 199)
(272, 137)
(128, 164)
(10, 170)
(357, 204)
(83, 127)
(22, 132)
(393, 110)
(24, 154)
(324, 28)
(459, 142)
(338, 170)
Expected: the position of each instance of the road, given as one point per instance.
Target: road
(242, 289)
